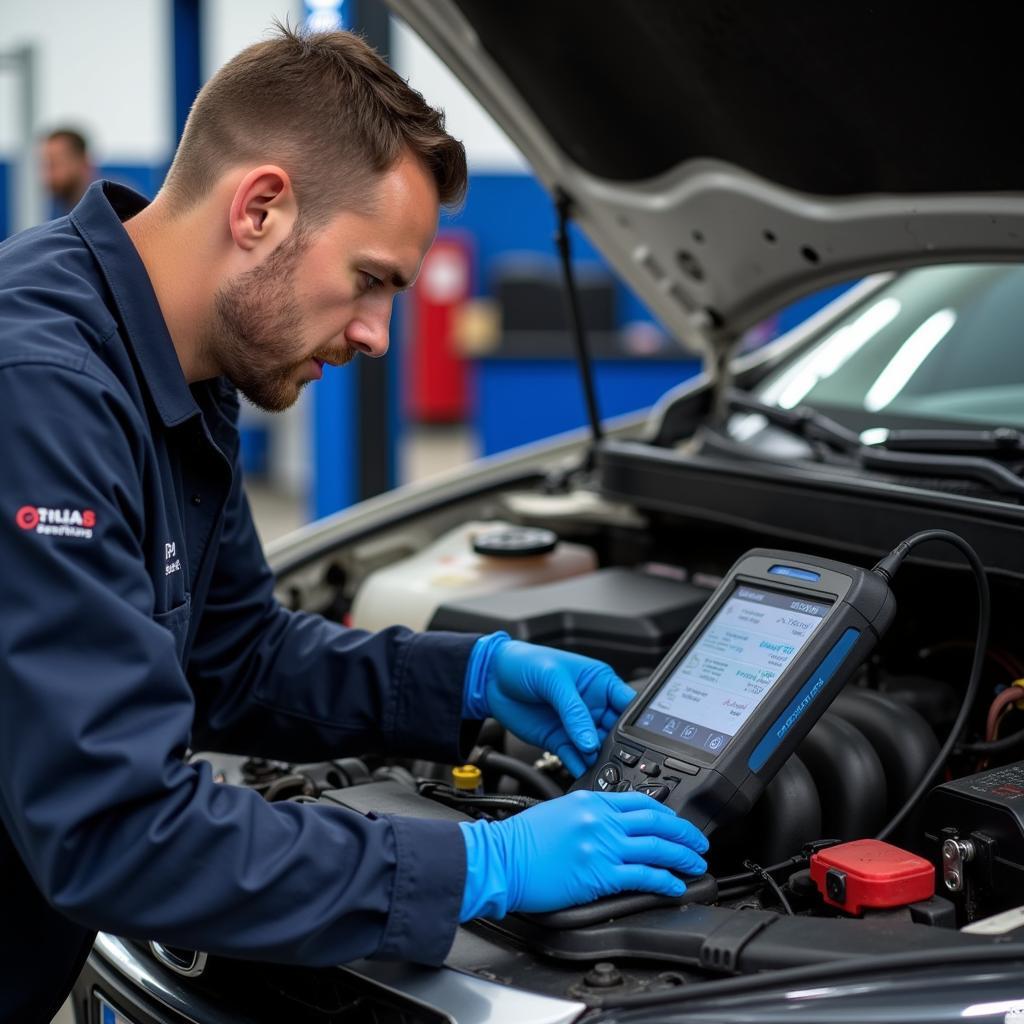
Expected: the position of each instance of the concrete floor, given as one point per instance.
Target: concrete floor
(425, 452)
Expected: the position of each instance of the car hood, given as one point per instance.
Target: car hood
(728, 157)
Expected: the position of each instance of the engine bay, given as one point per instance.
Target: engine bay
(790, 884)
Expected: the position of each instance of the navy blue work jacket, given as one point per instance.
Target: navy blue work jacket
(137, 620)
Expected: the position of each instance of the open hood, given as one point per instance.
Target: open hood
(728, 157)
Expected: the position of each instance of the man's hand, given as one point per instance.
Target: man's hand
(562, 702)
(575, 849)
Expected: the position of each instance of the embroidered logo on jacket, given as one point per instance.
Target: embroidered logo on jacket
(57, 522)
(171, 562)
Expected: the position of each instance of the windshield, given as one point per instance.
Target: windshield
(938, 345)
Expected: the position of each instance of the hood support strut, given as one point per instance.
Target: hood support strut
(563, 206)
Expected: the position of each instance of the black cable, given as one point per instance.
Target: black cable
(536, 780)
(887, 568)
(731, 886)
(1000, 746)
(754, 871)
(575, 316)
(762, 874)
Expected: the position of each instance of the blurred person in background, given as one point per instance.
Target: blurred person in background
(67, 170)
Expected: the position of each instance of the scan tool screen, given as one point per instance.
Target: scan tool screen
(735, 661)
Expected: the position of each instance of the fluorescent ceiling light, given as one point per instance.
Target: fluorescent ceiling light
(908, 359)
(826, 358)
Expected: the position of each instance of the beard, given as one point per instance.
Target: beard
(256, 329)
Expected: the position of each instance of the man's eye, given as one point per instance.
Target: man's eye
(370, 282)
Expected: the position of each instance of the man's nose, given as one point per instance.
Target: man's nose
(370, 335)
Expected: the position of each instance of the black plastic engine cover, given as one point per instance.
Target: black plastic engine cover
(626, 617)
(390, 797)
(731, 941)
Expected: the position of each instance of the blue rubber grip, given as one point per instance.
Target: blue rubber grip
(803, 700)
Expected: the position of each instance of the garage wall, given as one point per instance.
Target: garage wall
(106, 66)
(230, 25)
(103, 65)
(489, 149)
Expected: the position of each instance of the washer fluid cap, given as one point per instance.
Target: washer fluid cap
(869, 873)
(515, 541)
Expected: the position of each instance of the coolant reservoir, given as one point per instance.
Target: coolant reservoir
(475, 558)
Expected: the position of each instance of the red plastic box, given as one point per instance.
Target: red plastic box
(873, 874)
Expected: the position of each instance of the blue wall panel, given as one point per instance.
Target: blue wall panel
(335, 479)
(513, 212)
(185, 34)
(144, 178)
(522, 400)
(6, 170)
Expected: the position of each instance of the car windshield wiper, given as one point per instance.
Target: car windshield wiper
(803, 421)
(918, 452)
(1000, 441)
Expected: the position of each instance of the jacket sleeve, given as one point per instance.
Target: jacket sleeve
(118, 833)
(299, 687)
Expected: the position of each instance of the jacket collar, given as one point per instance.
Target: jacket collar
(99, 220)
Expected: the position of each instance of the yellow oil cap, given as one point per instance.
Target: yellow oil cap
(466, 776)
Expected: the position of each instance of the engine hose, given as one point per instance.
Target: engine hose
(285, 783)
(1013, 694)
(541, 784)
(1000, 746)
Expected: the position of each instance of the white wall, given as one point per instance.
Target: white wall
(488, 148)
(230, 25)
(103, 65)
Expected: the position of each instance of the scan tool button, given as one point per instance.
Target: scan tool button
(627, 757)
(658, 792)
(681, 766)
(651, 768)
(607, 777)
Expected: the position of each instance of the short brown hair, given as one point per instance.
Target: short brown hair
(328, 109)
(74, 138)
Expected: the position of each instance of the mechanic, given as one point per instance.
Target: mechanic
(66, 168)
(138, 619)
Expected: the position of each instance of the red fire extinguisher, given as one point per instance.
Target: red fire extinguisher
(437, 373)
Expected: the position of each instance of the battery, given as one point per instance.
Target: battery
(868, 873)
(980, 820)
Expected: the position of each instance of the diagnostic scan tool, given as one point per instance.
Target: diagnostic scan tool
(751, 675)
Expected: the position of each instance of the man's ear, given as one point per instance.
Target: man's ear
(263, 208)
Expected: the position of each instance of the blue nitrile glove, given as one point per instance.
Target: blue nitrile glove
(573, 850)
(558, 701)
